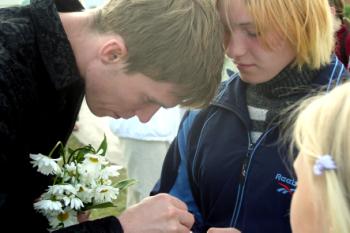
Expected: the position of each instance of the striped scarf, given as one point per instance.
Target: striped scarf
(266, 100)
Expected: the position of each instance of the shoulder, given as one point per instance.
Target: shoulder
(16, 30)
(17, 42)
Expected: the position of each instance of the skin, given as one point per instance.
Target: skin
(170, 212)
(111, 91)
(256, 63)
(223, 230)
(306, 208)
(128, 95)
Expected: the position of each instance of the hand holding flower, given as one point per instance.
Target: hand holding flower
(82, 181)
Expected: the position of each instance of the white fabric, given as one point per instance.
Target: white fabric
(143, 161)
(257, 114)
(255, 135)
(162, 127)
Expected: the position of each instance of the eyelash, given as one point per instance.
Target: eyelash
(227, 32)
(252, 34)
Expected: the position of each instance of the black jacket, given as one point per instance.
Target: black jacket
(40, 97)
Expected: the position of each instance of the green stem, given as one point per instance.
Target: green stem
(59, 143)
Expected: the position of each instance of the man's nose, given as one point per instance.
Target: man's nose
(146, 113)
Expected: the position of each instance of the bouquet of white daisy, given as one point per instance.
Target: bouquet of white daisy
(82, 180)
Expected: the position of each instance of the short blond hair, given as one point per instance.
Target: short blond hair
(307, 25)
(179, 41)
(322, 127)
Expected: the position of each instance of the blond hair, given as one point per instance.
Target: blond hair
(179, 41)
(307, 25)
(322, 127)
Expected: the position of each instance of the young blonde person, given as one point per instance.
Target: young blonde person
(227, 163)
(128, 58)
(321, 202)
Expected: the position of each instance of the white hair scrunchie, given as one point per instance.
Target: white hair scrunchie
(324, 162)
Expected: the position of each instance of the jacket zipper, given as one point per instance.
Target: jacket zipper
(243, 178)
(241, 182)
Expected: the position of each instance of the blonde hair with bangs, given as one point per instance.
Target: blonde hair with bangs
(322, 127)
(307, 25)
(178, 41)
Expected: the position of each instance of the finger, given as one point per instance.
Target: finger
(177, 203)
(83, 216)
(222, 230)
(186, 219)
(183, 229)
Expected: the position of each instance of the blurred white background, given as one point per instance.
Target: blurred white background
(4, 3)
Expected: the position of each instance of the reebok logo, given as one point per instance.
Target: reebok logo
(286, 185)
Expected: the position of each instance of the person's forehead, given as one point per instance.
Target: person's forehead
(235, 14)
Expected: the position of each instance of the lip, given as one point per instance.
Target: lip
(244, 66)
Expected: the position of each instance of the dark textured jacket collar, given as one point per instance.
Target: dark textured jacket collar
(53, 43)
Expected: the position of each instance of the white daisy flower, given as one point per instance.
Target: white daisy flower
(106, 182)
(73, 202)
(48, 206)
(66, 218)
(84, 193)
(110, 171)
(61, 189)
(105, 193)
(91, 166)
(70, 172)
(45, 165)
(95, 160)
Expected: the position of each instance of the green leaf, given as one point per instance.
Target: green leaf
(99, 206)
(102, 149)
(124, 184)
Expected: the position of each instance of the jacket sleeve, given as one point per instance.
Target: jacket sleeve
(104, 225)
(68, 5)
(174, 177)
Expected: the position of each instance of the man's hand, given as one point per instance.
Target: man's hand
(160, 213)
(223, 230)
(83, 216)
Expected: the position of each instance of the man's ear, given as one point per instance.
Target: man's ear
(113, 50)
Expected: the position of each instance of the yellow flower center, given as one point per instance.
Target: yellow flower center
(63, 216)
(93, 160)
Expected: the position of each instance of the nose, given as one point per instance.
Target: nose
(236, 45)
(145, 114)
